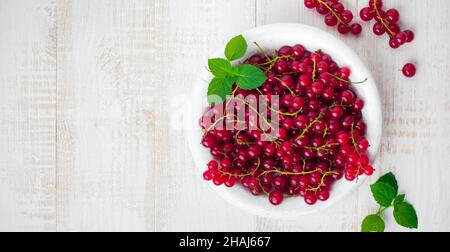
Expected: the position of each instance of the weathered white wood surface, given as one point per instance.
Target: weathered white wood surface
(86, 89)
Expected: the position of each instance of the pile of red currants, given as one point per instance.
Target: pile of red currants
(321, 134)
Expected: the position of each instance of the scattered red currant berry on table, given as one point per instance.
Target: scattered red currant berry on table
(409, 70)
(335, 14)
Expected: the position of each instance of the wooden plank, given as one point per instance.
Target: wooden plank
(107, 117)
(27, 115)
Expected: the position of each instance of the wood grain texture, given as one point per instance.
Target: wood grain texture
(27, 115)
(91, 107)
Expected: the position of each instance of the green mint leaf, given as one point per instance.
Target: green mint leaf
(399, 199)
(383, 193)
(405, 215)
(234, 70)
(219, 67)
(372, 223)
(218, 89)
(389, 178)
(236, 48)
(250, 77)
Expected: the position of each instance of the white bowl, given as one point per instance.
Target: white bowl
(273, 37)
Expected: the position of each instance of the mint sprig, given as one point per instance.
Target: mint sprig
(385, 192)
(245, 76)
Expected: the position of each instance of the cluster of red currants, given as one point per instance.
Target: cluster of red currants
(320, 139)
(386, 22)
(335, 14)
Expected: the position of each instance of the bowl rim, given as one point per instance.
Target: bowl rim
(268, 210)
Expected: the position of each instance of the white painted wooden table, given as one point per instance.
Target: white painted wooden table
(85, 111)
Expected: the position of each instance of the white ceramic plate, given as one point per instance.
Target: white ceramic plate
(273, 37)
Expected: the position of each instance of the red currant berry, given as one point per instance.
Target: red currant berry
(330, 19)
(323, 195)
(347, 16)
(366, 14)
(343, 28)
(379, 29)
(310, 4)
(409, 70)
(218, 180)
(310, 198)
(275, 197)
(368, 170)
(393, 43)
(378, 5)
(401, 38)
(409, 35)
(355, 29)
(207, 175)
(213, 165)
(392, 16)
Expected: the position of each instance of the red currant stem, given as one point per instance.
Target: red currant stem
(256, 111)
(321, 181)
(289, 73)
(257, 167)
(354, 141)
(234, 175)
(314, 70)
(240, 142)
(262, 51)
(339, 105)
(272, 61)
(262, 187)
(323, 147)
(279, 112)
(294, 173)
(259, 115)
(286, 114)
(333, 12)
(330, 162)
(216, 122)
(289, 89)
(234, 92)
(325, 132)
(347, 81)
(309, 126)
(391, 33)
(357, 172)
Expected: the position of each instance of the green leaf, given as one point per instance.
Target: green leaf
(389, 178)
(405, 215)
(372, 223)
(218, 89)
(234, 70)
(383, 193)
(250, 77)
(236, 48)
(399, 199)
(219, 67)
